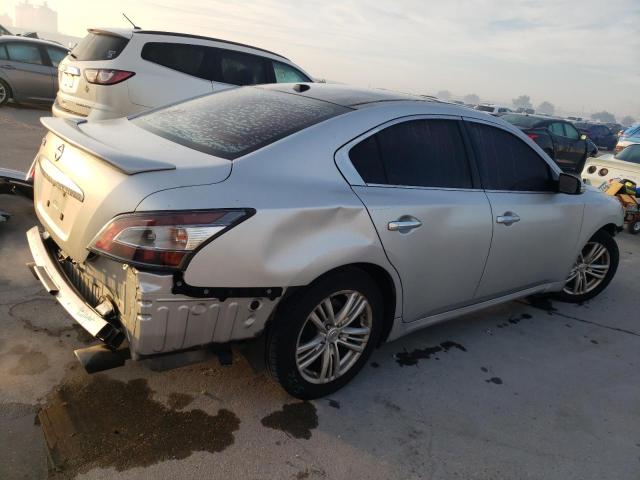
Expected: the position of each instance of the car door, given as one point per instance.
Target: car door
(432, 219)
(560, 143)
(576, 148)
(28, 71)
(535, 229)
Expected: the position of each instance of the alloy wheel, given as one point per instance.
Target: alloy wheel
(3, 93)
(590, 269)
(333, 337)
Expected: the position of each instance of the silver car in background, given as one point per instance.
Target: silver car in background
(325, 218)
(29, 69)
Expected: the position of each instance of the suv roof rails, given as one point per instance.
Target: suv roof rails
(201, 37)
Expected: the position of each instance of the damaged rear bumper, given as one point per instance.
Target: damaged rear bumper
(46, 269)
(147, 310)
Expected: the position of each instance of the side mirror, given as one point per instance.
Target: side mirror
(583, 137)
(569, 184)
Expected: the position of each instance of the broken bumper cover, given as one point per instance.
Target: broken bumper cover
(46, 269)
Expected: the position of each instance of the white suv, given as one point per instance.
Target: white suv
(114, 73)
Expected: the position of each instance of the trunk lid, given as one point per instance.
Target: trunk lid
(89, 172)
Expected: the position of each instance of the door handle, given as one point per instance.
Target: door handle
(508, 218)
(8, 67)
(404, 224)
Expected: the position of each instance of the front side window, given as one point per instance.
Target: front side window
(571, 132)
(507, 162)
(287, 74)
(56, 55)
(25, 53)
(418, 153)
(242, 69)
(237, 121)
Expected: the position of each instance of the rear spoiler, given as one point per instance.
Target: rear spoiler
(69, 131)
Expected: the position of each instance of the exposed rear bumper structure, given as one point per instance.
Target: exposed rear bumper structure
(113, 303)
(46, 269)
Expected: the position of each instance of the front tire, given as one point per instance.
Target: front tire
(593, 270)
(323, 335)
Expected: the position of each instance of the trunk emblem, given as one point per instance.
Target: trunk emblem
(59, 152)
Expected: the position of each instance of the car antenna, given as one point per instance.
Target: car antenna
(135, 27)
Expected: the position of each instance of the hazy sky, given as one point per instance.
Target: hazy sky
(576, 54)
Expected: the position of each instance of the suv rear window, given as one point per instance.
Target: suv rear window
(234, 122)
(99, 46)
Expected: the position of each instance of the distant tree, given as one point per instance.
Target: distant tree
(604, 117)
(523, 101)
(546, 107)
(471, 98)
(628, 121)
(444, 94)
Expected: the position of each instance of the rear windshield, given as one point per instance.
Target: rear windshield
(484, 108)
(99, 46)
(521, 120)
(234, 122)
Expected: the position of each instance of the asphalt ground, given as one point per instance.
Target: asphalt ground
(526, 390)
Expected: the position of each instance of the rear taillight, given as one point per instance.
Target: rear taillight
(603, 172)
(592, 169)
(163, 239)
(532, 136)
(101, 76)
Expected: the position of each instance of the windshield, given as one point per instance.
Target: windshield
(521, 120)
(99, 46)
(234, 122)
(629, 154)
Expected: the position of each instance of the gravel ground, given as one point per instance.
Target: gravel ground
(525, 390)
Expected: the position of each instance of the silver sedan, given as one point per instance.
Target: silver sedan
(324, 218)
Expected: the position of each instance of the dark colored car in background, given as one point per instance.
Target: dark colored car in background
(558, 138)
(601, 134)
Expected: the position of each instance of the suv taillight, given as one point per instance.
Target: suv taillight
(101, 76)
(163, 239)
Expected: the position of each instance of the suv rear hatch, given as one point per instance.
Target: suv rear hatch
(96, 50)
(88, 172)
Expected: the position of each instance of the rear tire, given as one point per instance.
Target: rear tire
(634, 227)
(312, 350)
(593, 270)
(5, 93)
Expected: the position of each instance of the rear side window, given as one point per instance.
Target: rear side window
(508, 163)
(239, 68)
(419, 153)
(189, 59)
(25, 53)
(237, 121)
(287, 74)
(3, 52)
(99, 46)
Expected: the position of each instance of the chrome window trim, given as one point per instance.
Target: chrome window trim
(351, 175)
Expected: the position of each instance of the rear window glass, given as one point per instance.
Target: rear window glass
(234, 122)
(99, 46)
(521, 120)
(485, 108)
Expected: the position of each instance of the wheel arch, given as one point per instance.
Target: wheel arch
(383, 279)
(9, 86)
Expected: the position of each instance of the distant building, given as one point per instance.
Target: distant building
(36, 18)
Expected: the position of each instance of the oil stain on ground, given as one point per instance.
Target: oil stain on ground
(178, 401)
(296, 419)
(411, 358)
(104, 423)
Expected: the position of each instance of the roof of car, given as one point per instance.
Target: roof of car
(18, 38)
(346, 96)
